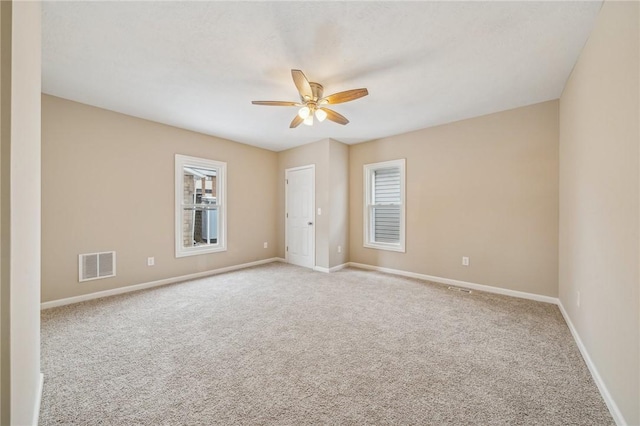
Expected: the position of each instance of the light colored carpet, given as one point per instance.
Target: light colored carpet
(278, 344)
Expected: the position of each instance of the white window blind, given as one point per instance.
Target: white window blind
(384, 205)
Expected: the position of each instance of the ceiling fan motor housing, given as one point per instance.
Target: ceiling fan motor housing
(317, 90)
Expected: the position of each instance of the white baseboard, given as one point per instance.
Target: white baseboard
(329, 270)
(36, 406)
(143, 286)
(613, 407)
(338, 267)
(464, 284)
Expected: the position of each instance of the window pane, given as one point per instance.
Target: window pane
(386, 224)
(200, 210)
(386, 185)
(200, 206)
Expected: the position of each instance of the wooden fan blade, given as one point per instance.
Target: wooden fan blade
(346, 96)
(334, 116)
(302, 84)
(295, 122)
(276, 103)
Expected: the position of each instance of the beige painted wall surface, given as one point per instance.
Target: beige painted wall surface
(331, 160)
(599, 202)
(316, 153)
(486, 188)
(5, 210)
(25, 213)
(338, 203)
(108, 184)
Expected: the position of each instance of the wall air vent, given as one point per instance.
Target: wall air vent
(93, 266)
(459, 289)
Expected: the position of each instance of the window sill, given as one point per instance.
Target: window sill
(195, 251)
(387, 247)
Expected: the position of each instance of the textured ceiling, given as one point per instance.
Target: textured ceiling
(198, 65)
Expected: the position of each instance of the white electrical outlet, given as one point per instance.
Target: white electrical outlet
(339, 249)
(266, 244)
(319, 211)
(578, 299)
(465, 261)
(151, 261)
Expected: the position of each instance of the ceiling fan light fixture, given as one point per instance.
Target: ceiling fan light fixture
(311, 95)
(304, 113)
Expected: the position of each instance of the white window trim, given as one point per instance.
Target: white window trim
(221, 194)
(368, 195)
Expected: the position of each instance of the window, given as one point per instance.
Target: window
(200, 206)
(384, 215)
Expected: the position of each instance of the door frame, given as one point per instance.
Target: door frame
(313, 210)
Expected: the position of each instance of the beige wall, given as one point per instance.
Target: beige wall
(331, 160)
(5, 210)
(486, 188)
(599, 202)
(25, 214)
(338, 203)
(316, 153)
(108, 184)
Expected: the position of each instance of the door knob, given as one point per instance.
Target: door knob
(310, 223)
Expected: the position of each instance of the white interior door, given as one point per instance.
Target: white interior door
(300, 216)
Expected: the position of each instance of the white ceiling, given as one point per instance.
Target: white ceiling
(198, 65)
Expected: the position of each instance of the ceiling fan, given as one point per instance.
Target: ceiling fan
(313, 101)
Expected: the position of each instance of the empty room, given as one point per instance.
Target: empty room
(334, 212)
